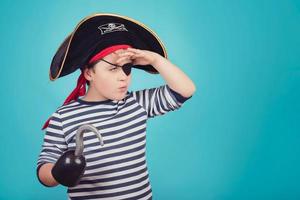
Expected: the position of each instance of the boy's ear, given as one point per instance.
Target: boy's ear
(87, 74)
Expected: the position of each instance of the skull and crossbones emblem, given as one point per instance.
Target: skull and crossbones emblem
(111, 27)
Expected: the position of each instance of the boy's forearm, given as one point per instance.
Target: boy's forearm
(175, 78)
(45, 175)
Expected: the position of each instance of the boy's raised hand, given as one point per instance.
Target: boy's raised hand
(138, 56)
(175, 78)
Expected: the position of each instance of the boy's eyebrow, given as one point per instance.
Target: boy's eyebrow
(110, 63)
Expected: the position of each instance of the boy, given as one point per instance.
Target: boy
(117, 170)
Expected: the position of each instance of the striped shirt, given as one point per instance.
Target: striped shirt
(117, 170)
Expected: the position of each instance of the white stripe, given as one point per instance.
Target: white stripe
(115, 174)
(117, 150)
(52, 147)
(115, 182)
(115, 158)
(78, 194)
(47, 159)
(51, 130)
(170, 99)
(125, 164)
(56, 139)
(71, 106)
(95, 114)
(95, 107)
(60, 147)
(123, 133)
(146, 100)
(96, 140)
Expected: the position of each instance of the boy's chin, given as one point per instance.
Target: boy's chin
(120, 97)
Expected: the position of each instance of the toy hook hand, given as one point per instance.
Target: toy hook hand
(79, 137)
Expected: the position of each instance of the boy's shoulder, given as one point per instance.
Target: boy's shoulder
(61, 108)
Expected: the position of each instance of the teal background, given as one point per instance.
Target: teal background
(237, 138)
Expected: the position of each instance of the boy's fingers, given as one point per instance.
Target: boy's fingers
(134, 50)
(119, 51)
(123, 60)
(126, 54)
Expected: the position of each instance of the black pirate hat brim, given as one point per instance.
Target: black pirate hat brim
(97, 32)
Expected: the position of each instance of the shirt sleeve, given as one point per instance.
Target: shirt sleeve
(54, 143)
(160, 100)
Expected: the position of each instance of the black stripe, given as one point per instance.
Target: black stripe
(55, 135)
(140, 196)
(115, 178)
(115, 194)
(54, 142)
(51, 151)
(54, 126)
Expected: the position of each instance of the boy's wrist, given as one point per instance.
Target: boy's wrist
(157, 60)
(45, 175)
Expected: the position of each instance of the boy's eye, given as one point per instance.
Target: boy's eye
(113, 69)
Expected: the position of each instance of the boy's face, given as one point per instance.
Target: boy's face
(108, 81)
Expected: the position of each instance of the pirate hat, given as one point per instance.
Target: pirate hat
(97, 32)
